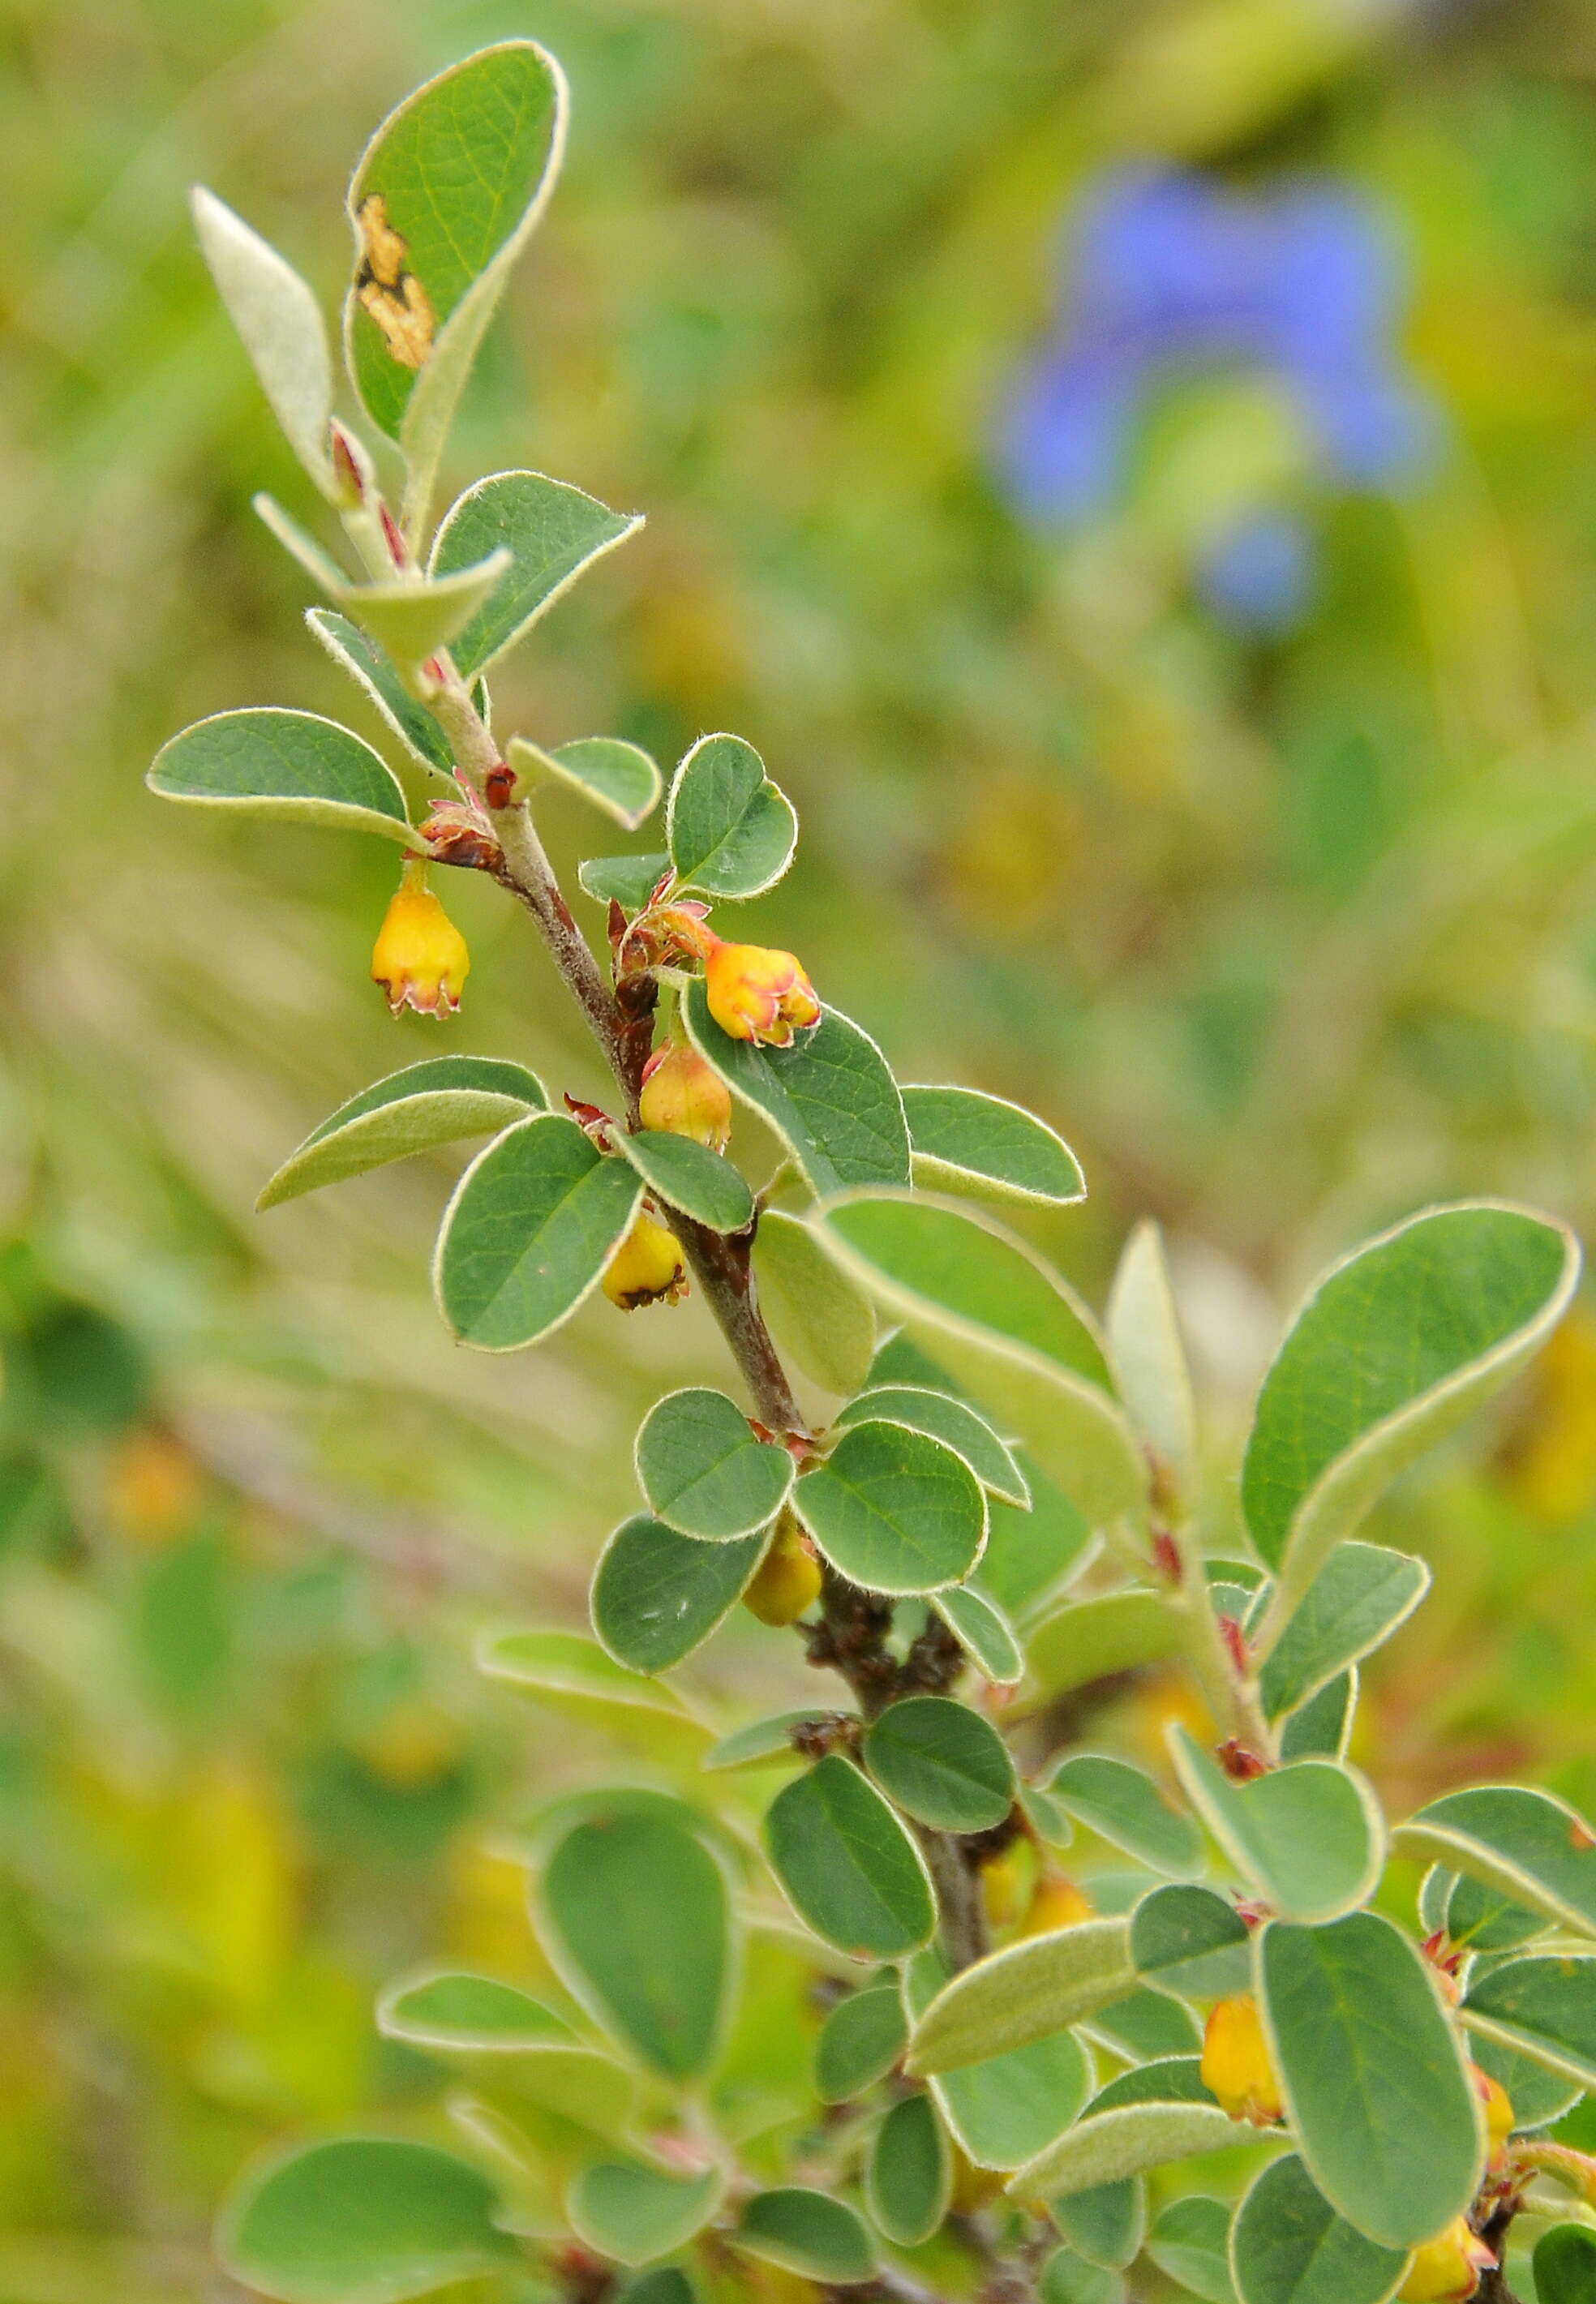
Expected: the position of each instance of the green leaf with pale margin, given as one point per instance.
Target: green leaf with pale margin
(637, 1921)
(1537, 1850)
(1106, 2147)
(319, 566)
(1002, 2112)
(1168, 2079)
(731, 832)
(1309, 1837)
(1093, 1639)
(702, 1469)
(690, 1177)
(1564, 2266)
(1322, 1729)
(807, 2232)
(1393, 1348)
(1485, 1919)
(982, 1630)
(1190, 2244)
(1067, 2278)
(941, 1763)
(658, 1595)
(1006, 1329)
(634, 2214)
(1289, 2245)
(1545, 2007)
(412, 618)
(762, 1742)
(294, 766)
(1538, 2094)
(1148, 1355)
(1357, 1600)
(462, 167)
(1106, 2224)
(1188, 1940)
(952, 1422)
(476, 2023)
(1145, 2026)
(573, 1677)
(830, 1097)
(533, 1222)
(859, 2042)
(550, 533)
(967, 1142)
(1033, 1556)
(1124, 1806)
(1373, 2080)
(416, 728)
(628, 881)
(894, 1511)
(848, 1865)
(1027, 1992)
(619, 777)
(365, 2220)
(280, 325)
(824, 1319)
(434, 1102)
(908, 2179)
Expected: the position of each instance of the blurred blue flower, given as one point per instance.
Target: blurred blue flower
(1259, 573)
(1171, 272)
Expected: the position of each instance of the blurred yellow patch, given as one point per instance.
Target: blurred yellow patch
(1010, 854)
(233, 1875)
(413, 1743)
(486, 1924)
(1552, 1458)
(153, 1486)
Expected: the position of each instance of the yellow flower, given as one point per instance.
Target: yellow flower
(1447, 2269)
(1001, 1878)
(787, 1581)
(755, 994)
(1055, 1902)
(1498, 2108)
(682, 1096)
(419, 957)
(646, 1267)
(1235, 2061)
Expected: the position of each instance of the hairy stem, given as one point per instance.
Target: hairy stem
(1230, 1695)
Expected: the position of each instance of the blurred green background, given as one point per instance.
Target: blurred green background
(1288, 934)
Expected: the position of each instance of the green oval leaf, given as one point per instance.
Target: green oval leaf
(1001, 2112)
(628, 881)
(1393, 1348)
(908, 2181)
(894, 1511)
(416, 728)
(807, 2232)
(1357, 1600)
(764, 1741)
(637, 1921)
(848, 1865)
(1535, 1849)
(533, 1222)
(941, 1763)
(1564, 2266)
(951, 1421)
(1067, 2278)
(1309, 1837)
(435, 1102)
(1190, 2243)
(1091, 1639)
(1005, 1327)
(454, 2009)
(1289, 2247)
(1374, 2084)
(1145, 2025)
(280, 325)
(1124, 1806)
(824, 1319)
(550, 533)
(619, 777)
(658, 1595)
(982, 1630)
(635, 2214)
(830, 1097)
(731, 832)
(410, 618)
(1106, 2224)
(294, 766)
(690, 1177)
(1484, 1919)
(1537, 2094)
(1322, 1729)
(1545, 2007)
(965, 1142)
(703, 1471)
(1027, 1992)
(1104, 2148)
(1147, 1353)
(366, 2220)
(1188, 1940)
(573, 1677)
(859, 2043)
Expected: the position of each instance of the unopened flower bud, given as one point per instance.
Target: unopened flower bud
(682, 1096)
(1001, 1881)
(787, 1581)
(646, 1268)
(419, 957)
(1055, 1902)
(1236, 2065)
(1499, 2109)
(1447, 2269)
(756, 995)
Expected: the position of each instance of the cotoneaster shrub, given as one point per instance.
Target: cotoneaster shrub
(998, 1505)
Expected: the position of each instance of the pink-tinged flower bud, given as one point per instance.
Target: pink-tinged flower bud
(647, 1268)
(682, 1096)
(419, 957)
(1236, 2065)
(756, 995)
(1447, 2269)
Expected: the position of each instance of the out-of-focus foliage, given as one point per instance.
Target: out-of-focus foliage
(1288, 934)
